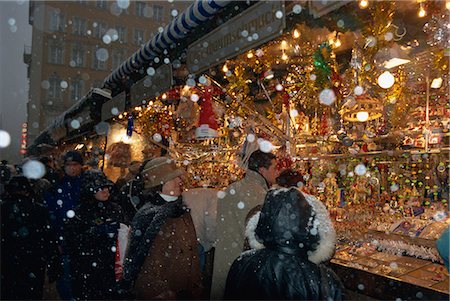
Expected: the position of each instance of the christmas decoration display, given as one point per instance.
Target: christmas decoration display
(119, 154)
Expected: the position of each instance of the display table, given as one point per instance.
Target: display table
(386, 276)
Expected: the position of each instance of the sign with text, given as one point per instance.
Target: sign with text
(251, 28)
(320, 8)
(114, 106)
(151, 86)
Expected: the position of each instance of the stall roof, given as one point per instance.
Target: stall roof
(195, 15)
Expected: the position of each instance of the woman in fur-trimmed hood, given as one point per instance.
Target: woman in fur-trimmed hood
(294, 235)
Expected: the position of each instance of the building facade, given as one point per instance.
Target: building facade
(76, 44)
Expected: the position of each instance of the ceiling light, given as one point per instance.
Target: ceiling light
(436, 83)
(422, 13)
(386, 80)
(363, 4)
(362, 116)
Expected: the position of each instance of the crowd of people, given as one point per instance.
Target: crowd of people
(260, 238)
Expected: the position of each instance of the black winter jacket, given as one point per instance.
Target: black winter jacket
(296, 233)
(91, 237)
(28, 248)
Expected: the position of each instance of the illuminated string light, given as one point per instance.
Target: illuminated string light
(422, 13)
(363, 4)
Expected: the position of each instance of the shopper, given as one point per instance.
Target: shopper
(162, 258)
(28, 243)
(60, 199)
(232, 210)
(91, 236)
(296, 236)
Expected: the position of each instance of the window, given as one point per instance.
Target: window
(138, 36)
(56, 21)
(55, 53)
(96, 63)
(140, 8)
(83, 2)
(122, 33)
(54, 90)
(100, 30)
(77, 59)
(157, 12)
(76, 89)
(118, 56)
(102, 4)
(79, 26)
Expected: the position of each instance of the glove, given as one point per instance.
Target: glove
(105, 228)
(123, 291)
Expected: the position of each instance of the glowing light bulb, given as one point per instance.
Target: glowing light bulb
(225, 68)
(284, 57)
(250, 55)
(386, 80)
(363, 4)
(296, 34)
(337, 43)
(422, 13)
(447, 5)
(362, 116)
(284, 45)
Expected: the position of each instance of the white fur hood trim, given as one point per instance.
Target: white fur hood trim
(327, 242)
(250, 229)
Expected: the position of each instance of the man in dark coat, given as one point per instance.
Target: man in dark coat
(91, 235)
(162, 258)
(296, 235)
(65, 196)
(28, 243)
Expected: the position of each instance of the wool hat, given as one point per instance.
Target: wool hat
(18, 183)
(73, 156)
(160, 170)
(290, 178)
(93, 181)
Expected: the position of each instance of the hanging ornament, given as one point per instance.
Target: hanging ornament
(130, 125)
(207, 121)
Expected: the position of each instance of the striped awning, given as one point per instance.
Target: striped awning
(196, 14)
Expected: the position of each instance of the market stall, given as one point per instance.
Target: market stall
(352, 94)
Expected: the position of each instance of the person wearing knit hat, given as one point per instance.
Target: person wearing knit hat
(63, 197)
(293, 237)
(28, 245)
(163, 247)
(90, 233)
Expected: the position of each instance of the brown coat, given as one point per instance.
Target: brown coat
(172, 264)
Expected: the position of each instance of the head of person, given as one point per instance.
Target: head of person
(73, 163)
(290, 178)
(161, 175)
(294, 225)
(265, 164)
(95, 186)
(19, 185)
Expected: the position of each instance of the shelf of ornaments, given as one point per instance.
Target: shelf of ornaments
(387, 243)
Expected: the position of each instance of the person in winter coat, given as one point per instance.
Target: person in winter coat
(162, 257)
(294, 235)
(240, 198)
(443, 246)
(131, 194)
(65, 196)
(91, 235)
(28, 244)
